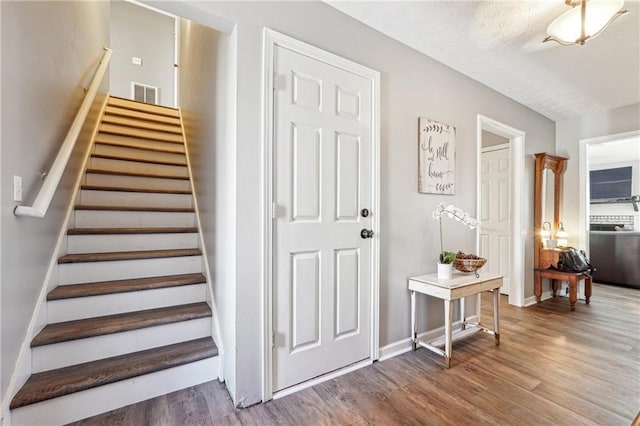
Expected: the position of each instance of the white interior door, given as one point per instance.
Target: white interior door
(495, 214)
(322, 181)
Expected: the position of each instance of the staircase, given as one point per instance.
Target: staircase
(129, 319)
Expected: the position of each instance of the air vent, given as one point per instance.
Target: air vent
(144, 93)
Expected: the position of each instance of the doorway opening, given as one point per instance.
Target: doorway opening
(505, 141)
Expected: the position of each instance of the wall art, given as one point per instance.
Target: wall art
(437, 157)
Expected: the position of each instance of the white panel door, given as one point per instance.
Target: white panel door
(495, 232)
(323, 180)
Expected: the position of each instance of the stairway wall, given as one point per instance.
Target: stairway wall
(43, 73)
(206, 88)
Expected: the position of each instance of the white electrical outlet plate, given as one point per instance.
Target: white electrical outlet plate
(17, 188)
(136, 61)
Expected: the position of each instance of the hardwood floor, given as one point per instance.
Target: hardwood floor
(553, 366)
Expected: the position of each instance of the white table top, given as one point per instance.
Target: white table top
(458, 279)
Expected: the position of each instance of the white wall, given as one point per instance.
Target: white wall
(412, 86)
(207, 99)
(44, 71)
(143, 33)
(568, 135)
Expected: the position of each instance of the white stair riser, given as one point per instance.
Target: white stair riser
(78, 273)
(80, 405)
(120, 219)
(130, 242)
(138, 199)
(110, 304)
(137, 166)
(121, 181)
(138, 154)
(140, 143)
(58, 355)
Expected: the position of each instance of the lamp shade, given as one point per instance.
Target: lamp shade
(567, 28)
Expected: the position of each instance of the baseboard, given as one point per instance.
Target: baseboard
(532, 300)
(216, 332)
(404, 345)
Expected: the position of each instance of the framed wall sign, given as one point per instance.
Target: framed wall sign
(437, 157)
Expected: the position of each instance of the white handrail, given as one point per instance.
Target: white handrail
(48, 189)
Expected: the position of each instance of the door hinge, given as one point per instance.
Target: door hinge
(275, 81)
(274, 210)
(273, 339)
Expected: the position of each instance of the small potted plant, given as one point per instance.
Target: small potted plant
(446, 258)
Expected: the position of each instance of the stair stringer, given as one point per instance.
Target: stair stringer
(22, 369)
(215, 326)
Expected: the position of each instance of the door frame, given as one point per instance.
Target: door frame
(271, 39)
(584, 206)
(516, 145)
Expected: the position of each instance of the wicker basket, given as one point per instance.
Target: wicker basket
(468, 265)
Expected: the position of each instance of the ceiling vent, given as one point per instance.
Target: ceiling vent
(144, 93)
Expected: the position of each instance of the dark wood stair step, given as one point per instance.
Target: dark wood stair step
(64, 381)
(140, 148)
(143, 107)
(127, 255)
(139, 160)
(126, 189)
(116, 231)
(109, 324)
(135, 174)
(141, 123)
(123, 286)
(139, 115)
(136, 208)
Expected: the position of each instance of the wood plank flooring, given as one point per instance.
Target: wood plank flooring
(553, 366)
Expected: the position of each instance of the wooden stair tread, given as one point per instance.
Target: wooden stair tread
(136, 174)
(123, 286)
(144, 190)
(144, 107)
(140, 160)
(136, 209)
(63, 381)
(139, 115)
(139, 123)
(127, 255)
(106, 141)
(116, 231)
(133, 132)
(109, 324)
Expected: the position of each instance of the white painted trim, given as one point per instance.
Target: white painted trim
(495, 148)
(518, 232)
(271, 39)
(48, 189)
(22, 369)
(404, 345)
(216, 333)
(531, 300)
(321, 379)
(583, 204)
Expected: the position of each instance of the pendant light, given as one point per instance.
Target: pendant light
(585, 22)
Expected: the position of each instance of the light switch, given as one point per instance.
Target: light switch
(136, 61)
(17, 188)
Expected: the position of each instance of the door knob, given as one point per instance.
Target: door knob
(366, 233)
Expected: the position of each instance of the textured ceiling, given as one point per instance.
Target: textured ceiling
(499, 43)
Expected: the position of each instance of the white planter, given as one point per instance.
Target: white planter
(444, 271)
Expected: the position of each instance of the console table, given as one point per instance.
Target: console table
(458, 287)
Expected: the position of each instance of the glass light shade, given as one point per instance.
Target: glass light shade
(545, 232)
(567, 28)
(562, 236)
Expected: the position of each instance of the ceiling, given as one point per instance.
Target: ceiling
(499, 43)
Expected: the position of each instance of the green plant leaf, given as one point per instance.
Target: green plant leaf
(447, 257)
